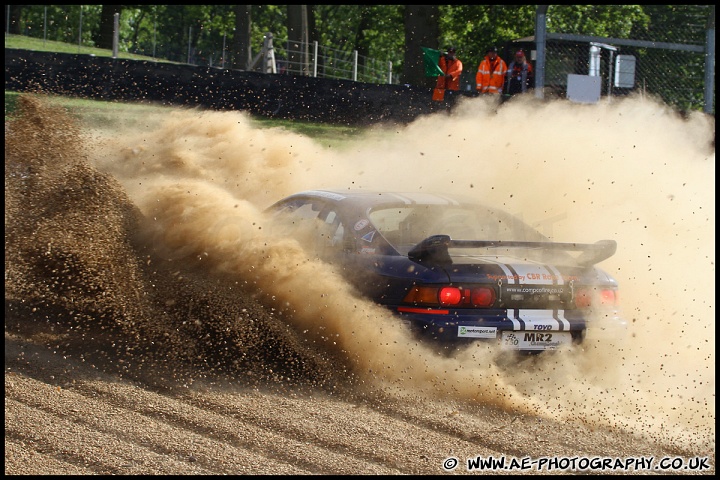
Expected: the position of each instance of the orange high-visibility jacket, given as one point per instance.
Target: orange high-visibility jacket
(449, 67)
(491, 77)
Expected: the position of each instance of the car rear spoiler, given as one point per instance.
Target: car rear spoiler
(434, 249)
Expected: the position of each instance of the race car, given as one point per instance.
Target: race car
(455, 270)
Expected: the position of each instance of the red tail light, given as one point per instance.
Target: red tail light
(604, 297)
(483, 297)
(609, 297)
(451, 295)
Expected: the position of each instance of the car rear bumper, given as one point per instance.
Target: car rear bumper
(529, 330)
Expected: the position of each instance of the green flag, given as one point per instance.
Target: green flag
(431, 58)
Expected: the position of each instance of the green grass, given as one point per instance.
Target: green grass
(108, 114)
(40, 45)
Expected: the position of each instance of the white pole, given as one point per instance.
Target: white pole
(116, 34)
(355, 62)
(80, 30)
(315, 60)
(389, 72)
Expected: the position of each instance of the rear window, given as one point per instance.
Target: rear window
(407, 225)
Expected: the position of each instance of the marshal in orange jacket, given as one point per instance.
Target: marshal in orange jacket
(450, 65)
(490, 76)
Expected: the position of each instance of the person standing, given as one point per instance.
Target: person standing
(519, 75)
(491, 72)
(451, 67)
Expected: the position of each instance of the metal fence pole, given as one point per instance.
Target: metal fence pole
(80, 31)
(540, 31)
(116, 34)
(355, 65)
(390, 72)
(709, 63)
(315, 58)
(269, 53)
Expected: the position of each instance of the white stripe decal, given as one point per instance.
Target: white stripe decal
(560, 314)
(449, 200)
(560, 317)
(511, 279)
(539, 318)
(405, 199)
(531, 274)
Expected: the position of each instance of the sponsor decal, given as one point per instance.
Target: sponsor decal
(534, 276)
(368, 250)
(477, 332)
(368, 237)
(361, 224)
(535, 340)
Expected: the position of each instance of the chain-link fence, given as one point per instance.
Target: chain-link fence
(318, 61)
(675, 64)
(314, 60)
(207, 47)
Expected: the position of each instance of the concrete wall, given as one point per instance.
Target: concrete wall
(272, 95)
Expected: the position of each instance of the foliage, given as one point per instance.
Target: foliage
(202, 34)
(373, 30)
(473, 28)
(61, 22)
(175, 32)
(596, 20)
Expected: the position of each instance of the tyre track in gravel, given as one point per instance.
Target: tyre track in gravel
(66, 415)
(159, 425)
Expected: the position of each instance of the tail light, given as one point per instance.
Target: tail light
(603, 297)
(451, 296)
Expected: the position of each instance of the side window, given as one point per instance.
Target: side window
(333, 230)
(316, 225)
(298, 219)
(301, 211)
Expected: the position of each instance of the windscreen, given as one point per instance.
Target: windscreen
(407, 225)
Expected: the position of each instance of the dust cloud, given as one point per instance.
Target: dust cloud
(197, 182)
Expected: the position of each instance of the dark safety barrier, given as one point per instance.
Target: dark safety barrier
(273, 95)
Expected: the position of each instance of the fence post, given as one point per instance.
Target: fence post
(269, 52)
(80, 30)
(355, 65)
(116, 34)
(709, 63)
(389, 72)
(315, 58)
(540, 37)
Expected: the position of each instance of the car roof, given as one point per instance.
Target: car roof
(365, 198)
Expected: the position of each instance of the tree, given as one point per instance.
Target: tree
(240, 52)
(422, 29)
(297, 27)
(103, 36)
(14, 21)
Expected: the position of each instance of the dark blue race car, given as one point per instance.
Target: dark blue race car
(455, 270)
